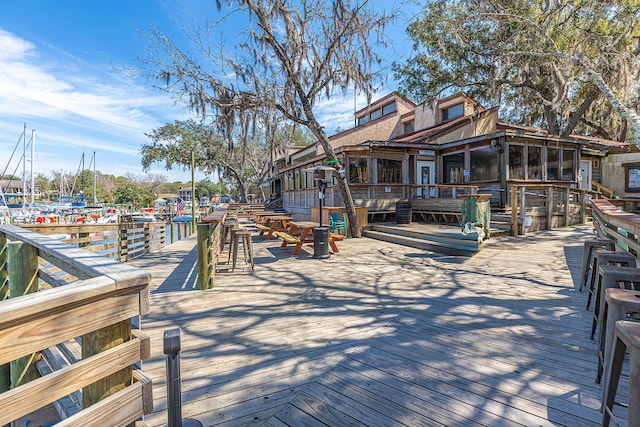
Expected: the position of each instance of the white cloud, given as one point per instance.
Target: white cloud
(74, 109)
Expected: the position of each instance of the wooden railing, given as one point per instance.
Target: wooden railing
(545, 206)
(63, 300)
(123, 241)
(601, 190)
(618, 219)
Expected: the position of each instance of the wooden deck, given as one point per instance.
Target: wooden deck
(381, 335)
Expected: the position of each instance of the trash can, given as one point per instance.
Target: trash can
(321, 242)
(403, 212)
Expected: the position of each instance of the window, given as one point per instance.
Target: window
(631, 177)
(358, 170)
(516, 162)
(377, 113)
(389, 171)
(483, 165)
(389, 108)
(534, 162)
(453, 168)
(553, 159)
(452, 112)
(408, 127)
(568, 165)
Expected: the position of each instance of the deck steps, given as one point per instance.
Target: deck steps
(438, 238)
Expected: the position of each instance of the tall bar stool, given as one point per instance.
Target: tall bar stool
(618, 303)
(611, 276)
(241, 235)
(606, 257)
(587, 256)
(627, 335)
(228, 225)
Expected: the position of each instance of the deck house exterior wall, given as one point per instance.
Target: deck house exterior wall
(466, 144)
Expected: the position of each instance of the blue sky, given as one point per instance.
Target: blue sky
(60, 65)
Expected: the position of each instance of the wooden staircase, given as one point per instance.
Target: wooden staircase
(446, 239)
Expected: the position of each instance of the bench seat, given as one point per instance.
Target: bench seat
(288, 238)
(263, 229)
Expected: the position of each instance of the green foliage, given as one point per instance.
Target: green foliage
(530, 57)
(134, 195)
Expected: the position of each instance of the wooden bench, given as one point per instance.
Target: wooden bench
(377, 207)
(448, 211)
(263, 229)
(288, 238)
(336, 236)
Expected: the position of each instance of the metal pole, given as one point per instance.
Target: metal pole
(321, 196)
(174, 403)
(24, 167)
(174, 394)
(33, 149)
(193, 191)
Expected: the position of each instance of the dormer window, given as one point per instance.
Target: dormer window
(452, 112)
(377, 113)
(408, 126)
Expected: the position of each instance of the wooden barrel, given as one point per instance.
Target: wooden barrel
(403, 212)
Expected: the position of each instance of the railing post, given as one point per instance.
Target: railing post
(204, 256)
(4, 266)
(83, 236)
(583, 206)
(523, 209)
(550, 208)
(96, 342)
(147, 238)
(5, 370)
(23, 279)
(123, 252)
(567, 197)
(514, 210)
(172, 226)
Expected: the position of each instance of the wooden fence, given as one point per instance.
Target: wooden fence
(618, 219)
(69, 337)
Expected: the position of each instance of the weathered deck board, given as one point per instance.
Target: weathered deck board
(381, 334)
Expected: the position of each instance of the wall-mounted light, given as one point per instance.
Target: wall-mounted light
(494, 145)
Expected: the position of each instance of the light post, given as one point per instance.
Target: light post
(320, 234)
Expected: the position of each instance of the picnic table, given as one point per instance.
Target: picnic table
(301, 232)
(261, 216)
(273, 224)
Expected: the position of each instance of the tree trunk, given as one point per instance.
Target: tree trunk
(317, 130)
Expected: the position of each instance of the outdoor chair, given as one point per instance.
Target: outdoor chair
(336, 222)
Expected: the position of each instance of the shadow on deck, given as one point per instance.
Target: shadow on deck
(381, 335)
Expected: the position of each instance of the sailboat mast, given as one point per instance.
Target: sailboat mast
(95, 197)
(33, 149)
(24, 166)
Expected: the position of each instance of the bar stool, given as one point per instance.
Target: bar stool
(606, 257)
(609, 276)
(617, 304)
(228, 225)
(627, 335)
(243, 235)
(587, 256)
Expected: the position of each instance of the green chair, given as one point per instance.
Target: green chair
(336, 222)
